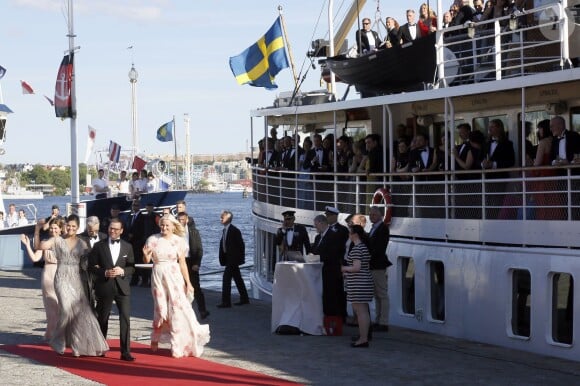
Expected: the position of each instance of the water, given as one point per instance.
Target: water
(206, 210)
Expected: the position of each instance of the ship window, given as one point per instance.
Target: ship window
(562, 307)
(575, 119)
(437, 279)
(408, 284)
(534, 117)
(482, 123)
(521, 302)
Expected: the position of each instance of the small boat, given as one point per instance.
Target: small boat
(402, 68)
(20, 193)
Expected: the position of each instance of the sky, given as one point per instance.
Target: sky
(180, 50)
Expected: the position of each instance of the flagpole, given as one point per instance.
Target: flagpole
(75, 186)
(288, 47)
(175, 147)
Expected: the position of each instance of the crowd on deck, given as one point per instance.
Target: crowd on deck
(424, 22)
(141, 182)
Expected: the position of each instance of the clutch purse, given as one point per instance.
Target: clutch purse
(190, 296)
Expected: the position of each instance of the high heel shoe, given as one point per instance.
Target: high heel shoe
(355, 345)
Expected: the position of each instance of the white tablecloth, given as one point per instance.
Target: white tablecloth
(297, 297)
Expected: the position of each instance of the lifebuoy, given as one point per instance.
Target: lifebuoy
(383, 194)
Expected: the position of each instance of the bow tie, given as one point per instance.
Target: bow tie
(561, 137)
(318, 149)
(424, 150)
(411, 25)
(494, 141)
(115, 241)
(94, 237)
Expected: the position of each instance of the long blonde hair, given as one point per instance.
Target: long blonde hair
(177, 227)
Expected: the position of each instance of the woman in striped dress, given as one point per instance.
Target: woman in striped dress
(359, 282)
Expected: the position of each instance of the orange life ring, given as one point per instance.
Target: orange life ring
(383, 194)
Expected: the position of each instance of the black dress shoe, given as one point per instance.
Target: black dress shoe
(364, 345)
(242, 302)
(127, 357)
(222, 305)
(355, 338)
(203, 315)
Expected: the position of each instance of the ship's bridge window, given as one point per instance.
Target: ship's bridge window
(521, 302)
(437, 289)
(562, 307)
(408, 285)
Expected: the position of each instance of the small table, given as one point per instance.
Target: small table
(297, 297)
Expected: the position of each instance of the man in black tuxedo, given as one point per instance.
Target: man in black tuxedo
(378, 241)
(193, 259)
(232, 254)
(367, 40)
(91, 236)
(144, 226)
(292, 239)
(566, 143)
(409, 31)
(112, 262)
(422, 157)
(392, 38)
(463, 131)
(326, 244)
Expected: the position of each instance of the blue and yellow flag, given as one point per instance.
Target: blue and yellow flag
(165, 132)
(259, 64)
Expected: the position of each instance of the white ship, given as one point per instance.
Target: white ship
(481, 256)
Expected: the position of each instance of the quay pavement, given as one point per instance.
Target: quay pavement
(240, 336)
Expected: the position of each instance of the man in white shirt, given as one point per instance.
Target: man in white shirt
(100, 185)
(123, 184)
(12, 217)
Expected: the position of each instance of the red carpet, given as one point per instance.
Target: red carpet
(149, 368)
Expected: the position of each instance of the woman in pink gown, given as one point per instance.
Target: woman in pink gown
(174, 320)
(47, 282)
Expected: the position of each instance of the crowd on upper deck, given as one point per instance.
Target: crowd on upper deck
(424, 22)
(556, 145)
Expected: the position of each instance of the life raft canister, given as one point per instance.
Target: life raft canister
(383, 194)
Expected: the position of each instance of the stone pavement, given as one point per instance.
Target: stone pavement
(241, 337)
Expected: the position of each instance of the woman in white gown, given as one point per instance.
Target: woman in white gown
(174, 320)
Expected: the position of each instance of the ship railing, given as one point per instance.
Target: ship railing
(531, 193)
(523, 43)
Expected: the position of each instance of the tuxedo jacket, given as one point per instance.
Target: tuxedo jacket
(572, 145)
(195, 247)
(329, 249)
(289, 158)
(300, 240)
(86, 238)
(235, 253)
(378, 241)
(362, 41)
(415, 156)
(504, 155)
(100, 260)
(311, 161)
(405, 34)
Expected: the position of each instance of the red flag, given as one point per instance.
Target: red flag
(26, 89)
(62, 89)
(138, 164)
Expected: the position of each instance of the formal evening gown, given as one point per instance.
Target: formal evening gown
(49, 298)
(174, 320)
(77, 325)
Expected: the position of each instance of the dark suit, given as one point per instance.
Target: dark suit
(416, 160)
(88, 279)
(144, 225)
(572, 145)
(363, 43)
(328, 247)
(300, 240)
(393, 38)
(194, 258)
(313, 163)
(405, 33)
(378, 241)
(231, 258)
(503, 156)
(117, 288)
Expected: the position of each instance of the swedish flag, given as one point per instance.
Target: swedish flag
(259, 64)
